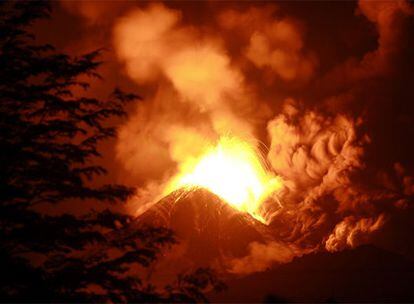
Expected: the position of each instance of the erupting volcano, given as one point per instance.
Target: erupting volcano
(211, 230)
(156, 146)
(234, 171)
(215, 204)
(215, 91)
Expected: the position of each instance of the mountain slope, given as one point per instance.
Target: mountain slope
(211, 229)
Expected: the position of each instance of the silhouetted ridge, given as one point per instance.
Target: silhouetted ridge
(363, 274)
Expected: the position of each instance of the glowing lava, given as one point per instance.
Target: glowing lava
(233, 171)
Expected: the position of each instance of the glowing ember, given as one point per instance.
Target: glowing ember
(233, 171)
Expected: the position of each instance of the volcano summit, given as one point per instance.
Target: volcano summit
(210, 229)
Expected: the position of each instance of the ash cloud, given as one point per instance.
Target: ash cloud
(262, 256)
(351, 231)
(272, 43)
(323, 155)
(200, 94)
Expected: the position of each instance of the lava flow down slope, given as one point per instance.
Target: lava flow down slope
(211, 230)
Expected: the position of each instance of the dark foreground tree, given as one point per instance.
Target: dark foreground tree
(48, 140)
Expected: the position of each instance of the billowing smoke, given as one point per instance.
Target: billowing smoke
(200, 87)
(352, 231)
(320, 156)
(316, 155)
(390, 20)
(200, 94)
(262, 256)
(274, 43)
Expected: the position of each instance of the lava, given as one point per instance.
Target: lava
(234, 171)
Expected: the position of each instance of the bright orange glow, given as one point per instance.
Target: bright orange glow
(233, 171)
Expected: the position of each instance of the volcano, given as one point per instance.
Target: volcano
(211, 229)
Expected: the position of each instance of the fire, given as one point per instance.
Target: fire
(234, 171)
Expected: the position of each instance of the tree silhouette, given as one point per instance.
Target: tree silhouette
(49, 138)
